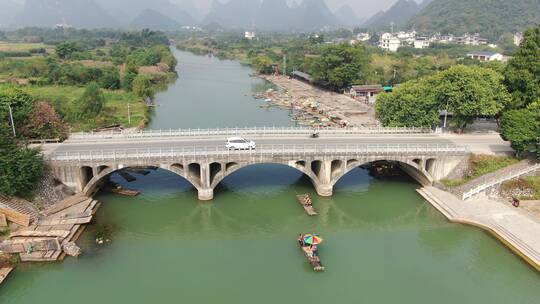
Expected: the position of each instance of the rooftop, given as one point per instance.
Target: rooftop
(482, 53)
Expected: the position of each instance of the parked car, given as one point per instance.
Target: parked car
(239, 143)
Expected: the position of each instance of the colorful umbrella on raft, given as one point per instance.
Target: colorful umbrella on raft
(312, 239)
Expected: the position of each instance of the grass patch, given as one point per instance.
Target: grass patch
(23, 47)
(64, 99)
(4, 232)
(529, 185)
(480, 165)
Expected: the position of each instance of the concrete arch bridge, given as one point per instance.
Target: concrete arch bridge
(325, 162)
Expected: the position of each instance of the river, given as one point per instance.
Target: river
(383, 242)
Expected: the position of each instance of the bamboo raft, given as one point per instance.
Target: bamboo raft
(307, 204)
(122, 191)
(314, 261)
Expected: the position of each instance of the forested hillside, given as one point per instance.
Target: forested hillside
(491, 18)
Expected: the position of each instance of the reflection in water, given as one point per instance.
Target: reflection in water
(379, 237)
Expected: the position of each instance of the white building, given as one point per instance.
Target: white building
(486, 56)
(250, 35)
(363, 36)
(421, 43)
(389, 42)
(518, 38)
(474, 40)
(406, 38)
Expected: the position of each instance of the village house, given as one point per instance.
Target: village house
(389, 42)
(250, 35)
(366, 93)
(486, 56)
(421, 43)
(518, 38)
(474, 40)
(305, 77)
(363, 37)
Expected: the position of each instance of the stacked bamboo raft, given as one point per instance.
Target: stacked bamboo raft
(53, 236)
(307, 204)
(4, 272)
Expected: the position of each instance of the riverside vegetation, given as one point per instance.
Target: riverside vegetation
(338, 65)
(90, 77)
(430, 81)
(85, 80)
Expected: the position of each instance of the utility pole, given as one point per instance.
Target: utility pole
(284, 65)
(129, 114)
(12, 121)
(445, 116)
(392, 26)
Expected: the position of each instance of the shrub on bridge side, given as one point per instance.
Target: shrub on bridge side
(20, 167)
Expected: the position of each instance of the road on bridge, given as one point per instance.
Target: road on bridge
(477, 143)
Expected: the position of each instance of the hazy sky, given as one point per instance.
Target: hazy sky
(363, 8)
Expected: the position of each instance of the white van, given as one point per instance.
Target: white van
(239, 143)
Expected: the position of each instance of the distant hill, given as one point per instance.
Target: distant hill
(78, 13)
(314, 14)
(399, 14)
(272, 11)
(149, 18)
(125, 11)
(272, 15)
(8, 10)
(233, 14)
(490, 18)
(347, 16)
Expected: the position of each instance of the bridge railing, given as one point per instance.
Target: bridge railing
(255, 131)
(261, 150)
(473, 192)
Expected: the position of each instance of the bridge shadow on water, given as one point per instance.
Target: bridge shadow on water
(264, 193)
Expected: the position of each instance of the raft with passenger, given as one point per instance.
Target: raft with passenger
(307, 204)
(309, 244)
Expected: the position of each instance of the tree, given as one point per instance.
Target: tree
(469, 92)
(20, 167)
(522, 76)
(409, 105)
(127, 81)
(110, 79)
(43, 122)
(92, 101)
(341, 65)
(520, 128)
(262, 64)
(142, 86)
(64, 50)
(21, 104)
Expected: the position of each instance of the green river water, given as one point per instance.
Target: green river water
(383, 242)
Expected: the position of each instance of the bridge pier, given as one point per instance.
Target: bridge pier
(206, 194)
(324, 190)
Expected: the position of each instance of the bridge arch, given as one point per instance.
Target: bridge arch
(96, 182)
(410, 167)
(231, 169)
(205, 176)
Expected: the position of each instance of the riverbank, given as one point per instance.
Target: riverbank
(322, 107)
(52, 236)
(514, 228)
